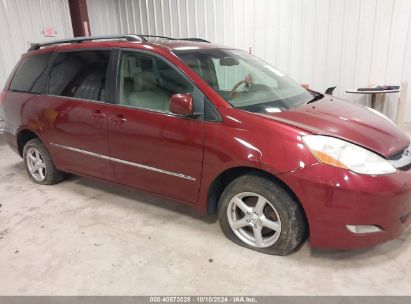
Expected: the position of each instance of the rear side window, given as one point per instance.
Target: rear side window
(30, 74)
(80, 74)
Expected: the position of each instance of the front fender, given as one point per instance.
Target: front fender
(246, 140)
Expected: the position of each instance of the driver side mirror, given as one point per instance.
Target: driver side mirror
(182, 104)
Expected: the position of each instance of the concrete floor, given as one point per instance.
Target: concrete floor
(84, 237)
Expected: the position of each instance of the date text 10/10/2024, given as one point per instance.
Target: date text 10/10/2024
(203, 299)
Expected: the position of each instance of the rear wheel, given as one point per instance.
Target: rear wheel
(39, 165)
(257, 213)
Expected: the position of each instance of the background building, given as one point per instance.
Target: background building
(347, 43)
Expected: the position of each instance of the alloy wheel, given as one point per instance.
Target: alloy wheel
(254, 219)
(36, 164)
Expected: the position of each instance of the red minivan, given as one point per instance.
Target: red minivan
(215, 128)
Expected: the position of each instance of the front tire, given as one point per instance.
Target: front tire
(257, 213)
(39, 165)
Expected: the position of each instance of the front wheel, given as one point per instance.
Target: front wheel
(257, 213)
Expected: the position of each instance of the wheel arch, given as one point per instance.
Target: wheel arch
(23, 136)
(226, 177)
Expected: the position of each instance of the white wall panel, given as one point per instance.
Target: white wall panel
(406, 73)
(348, 43)
(23, 22)
(396, 49)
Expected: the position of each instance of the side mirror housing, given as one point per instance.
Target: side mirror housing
(182, 104)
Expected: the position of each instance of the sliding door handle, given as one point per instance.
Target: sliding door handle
(97, 115)
(119, 119)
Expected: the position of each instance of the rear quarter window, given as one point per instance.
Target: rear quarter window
(30, 74)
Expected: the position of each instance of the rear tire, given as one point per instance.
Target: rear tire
(39, 165)
(257, 213)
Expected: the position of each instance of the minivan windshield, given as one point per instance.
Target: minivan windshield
(245, 81)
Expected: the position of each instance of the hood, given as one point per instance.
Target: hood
(354, 123)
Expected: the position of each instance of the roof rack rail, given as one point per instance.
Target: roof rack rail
(128, 37)
(36, 46)
(155, 36)
(195, 39)
(170, 38)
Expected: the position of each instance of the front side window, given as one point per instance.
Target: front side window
(148, 82)
(80, 74)
(30, 74)
(245, 81)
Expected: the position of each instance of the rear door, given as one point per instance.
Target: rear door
(73, 112)
(151, 148)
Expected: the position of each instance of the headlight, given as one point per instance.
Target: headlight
(340, 153)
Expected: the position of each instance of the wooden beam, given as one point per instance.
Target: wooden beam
(79, 18)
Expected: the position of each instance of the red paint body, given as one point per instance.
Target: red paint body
(331, 197)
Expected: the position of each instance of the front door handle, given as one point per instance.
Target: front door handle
(119, 119)
(97, 114)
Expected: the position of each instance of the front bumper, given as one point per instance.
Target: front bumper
(334, 198)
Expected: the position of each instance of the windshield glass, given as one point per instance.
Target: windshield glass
(245, 81)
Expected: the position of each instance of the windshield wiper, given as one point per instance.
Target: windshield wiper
(317, 96)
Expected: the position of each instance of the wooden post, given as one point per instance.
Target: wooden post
(79, 18)
(402, 108)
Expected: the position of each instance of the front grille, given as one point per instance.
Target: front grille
(402, 160)
(406, 168)
(405, 218)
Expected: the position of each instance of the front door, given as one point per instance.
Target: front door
(73, 113)
(151, 148)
